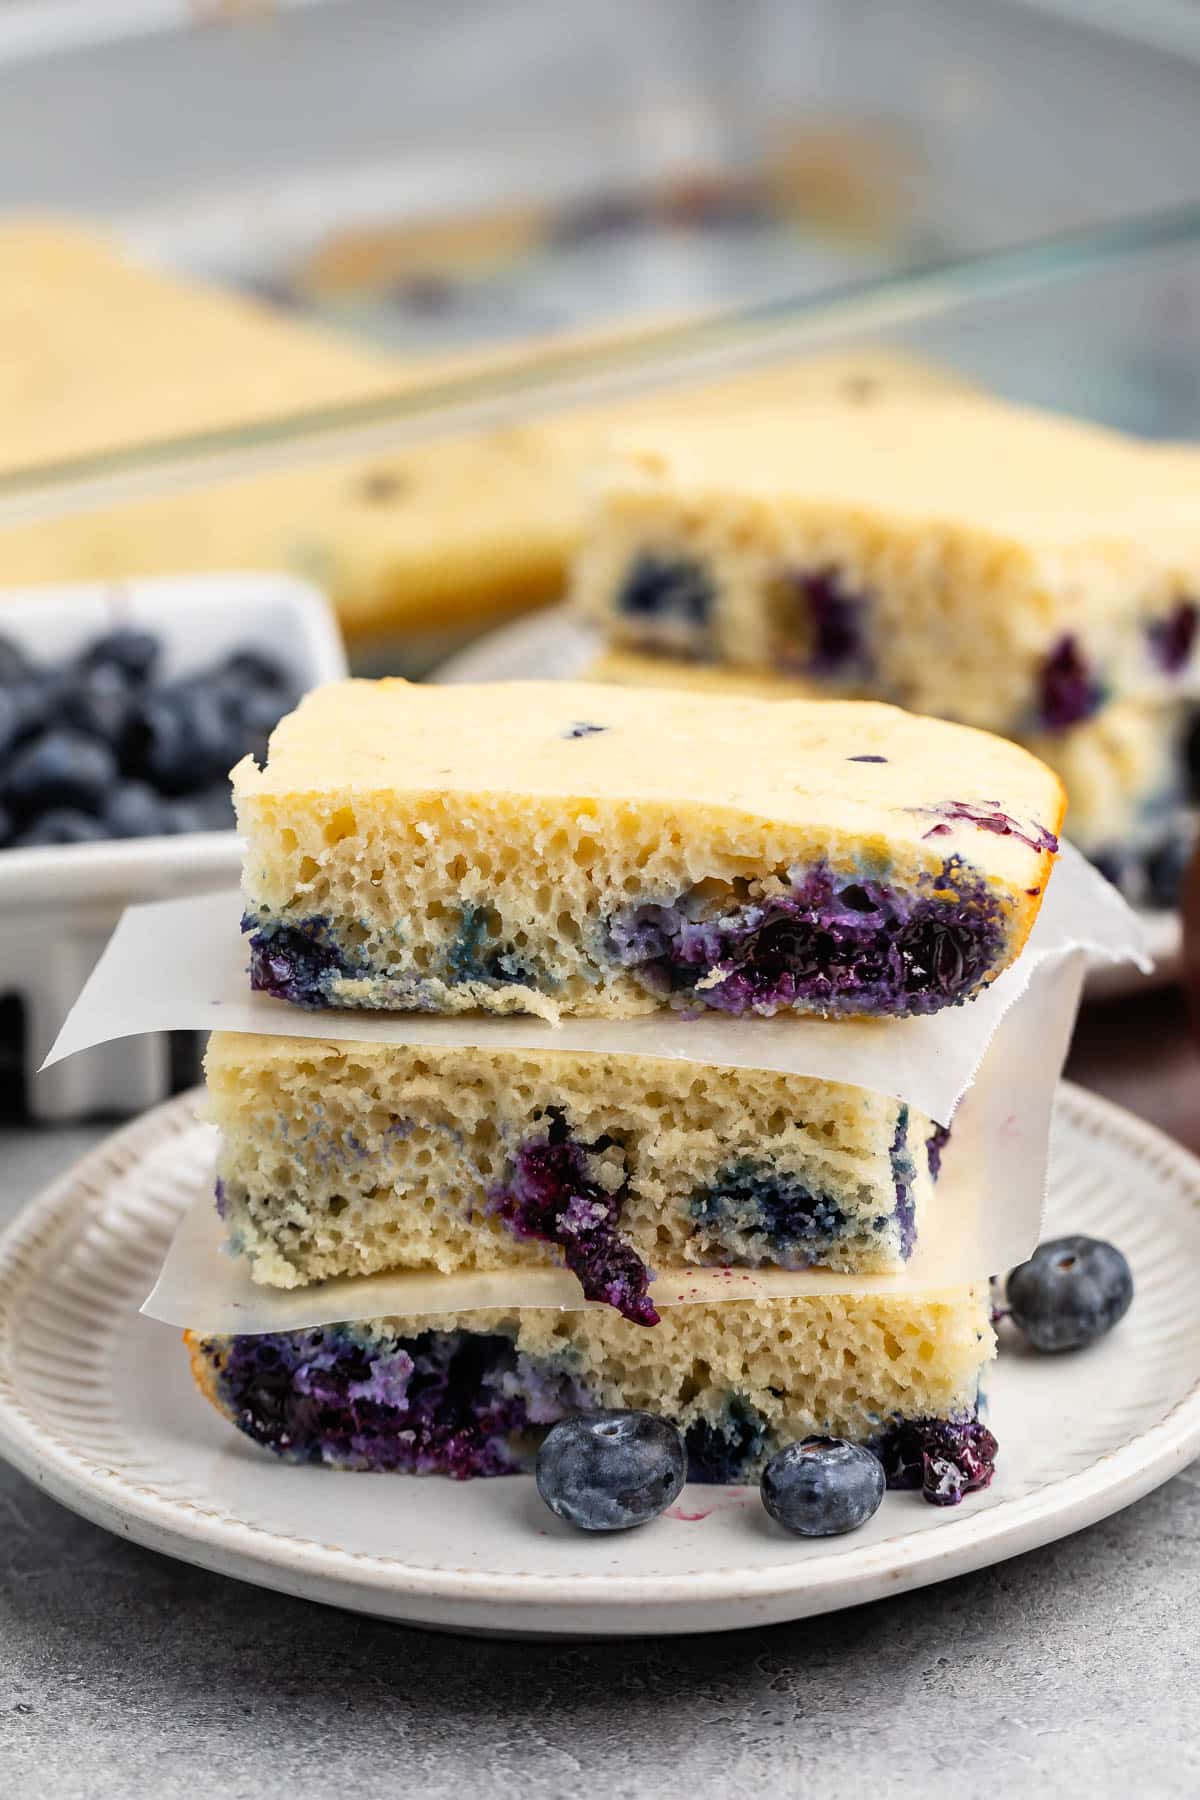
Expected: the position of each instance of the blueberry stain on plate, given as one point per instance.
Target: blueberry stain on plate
(580, 728)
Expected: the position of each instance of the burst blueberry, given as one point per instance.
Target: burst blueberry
(1071, 1291)
(610, 1471)
(822, 1487)
(550, 1194)
(1068, 692)
(659, 587)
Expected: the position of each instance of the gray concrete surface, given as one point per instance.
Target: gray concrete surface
(1073, 1671)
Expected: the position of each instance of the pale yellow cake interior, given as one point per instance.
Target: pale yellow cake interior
(973, 538)
(843, 1365)
(344, 1158)
(387, 809)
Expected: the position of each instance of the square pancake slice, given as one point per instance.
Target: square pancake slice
(472, 1394)
(563, 848)
(340, 1158)
(970, 559)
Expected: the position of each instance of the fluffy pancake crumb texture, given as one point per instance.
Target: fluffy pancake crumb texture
(349, 1158)
(738, 1378)
(455, 847)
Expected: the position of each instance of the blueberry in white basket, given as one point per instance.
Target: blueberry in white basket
(14, 664)
(99, 746)
(61, 825)
(132, 653)
(60, 768)
(1070, 1292)
(822, 1487)
(610, 1471)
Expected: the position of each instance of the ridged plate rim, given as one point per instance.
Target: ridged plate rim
(531, 1600)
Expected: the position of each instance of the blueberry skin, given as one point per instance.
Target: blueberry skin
(609, 1471)
(1070, 1292)
(255, 669)
(99, 703)
(62, 768)
(822, 1487)
(186, 739)
(134, 810)
(27, 708)
(14, 664)
(61, 825)
(133, 653)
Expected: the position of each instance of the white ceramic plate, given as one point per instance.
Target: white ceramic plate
(550, 646)
(96, 1406)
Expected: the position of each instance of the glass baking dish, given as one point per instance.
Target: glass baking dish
(530, 216)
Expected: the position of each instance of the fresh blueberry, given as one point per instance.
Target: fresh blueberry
(62, 768)
(607, 1471)
(822, 1487)
(14, 664)
(27, 708)
(99, 703)
(1070, 1292)
(255, 668)
(211, 810)
(135, 810)
(253, 716)
(184, 815)
(61, 825)
(184, 739)
(133, 653)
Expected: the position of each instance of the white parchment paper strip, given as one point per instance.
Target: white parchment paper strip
(181, 965)
(986, 1216)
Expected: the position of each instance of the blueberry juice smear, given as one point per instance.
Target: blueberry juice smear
(462, 1404)
(824, 944)
(552, 1194)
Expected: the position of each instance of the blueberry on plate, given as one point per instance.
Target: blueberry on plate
(1070, 1292)
(61, 768)
(133, 653)
(61, 825)
(822, 1487)
(608, 1471)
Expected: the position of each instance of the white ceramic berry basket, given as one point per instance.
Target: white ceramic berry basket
(59, 903)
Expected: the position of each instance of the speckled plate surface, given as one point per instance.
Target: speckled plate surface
(550, 646)
(97, 1407)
